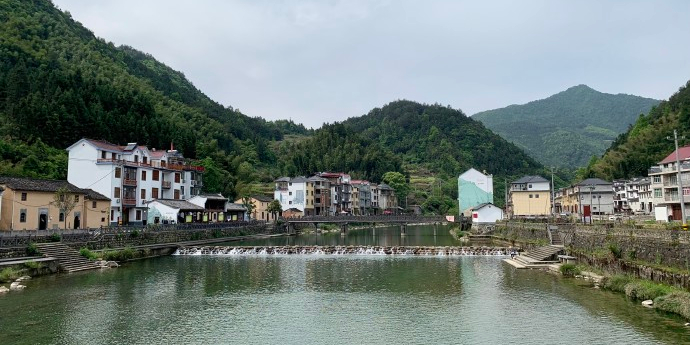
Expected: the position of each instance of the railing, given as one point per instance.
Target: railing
(367, 219)
(129, 182)
(166, 184)
(129, 201)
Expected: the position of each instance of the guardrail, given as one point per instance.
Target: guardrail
(366, 219)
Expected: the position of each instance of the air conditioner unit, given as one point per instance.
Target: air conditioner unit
(117, 200)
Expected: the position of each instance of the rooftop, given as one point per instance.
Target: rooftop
(593, 181)
(179, 204)
(38, 185)
(530, 179)
(683, 154)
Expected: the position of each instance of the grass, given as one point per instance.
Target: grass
(120, 255)
(569, 270)
(85, 252)
(33, 265)
(644, 290)
(9, 274)
(677, 302)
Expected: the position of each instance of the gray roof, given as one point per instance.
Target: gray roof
(216, 196)
(593, 181)
(317, 178)
(94, 195)
(481, 206)
(283, 179)
(38, 185)
(385, 186)
(180, 204)
(530, 179)
(263, 198)
(298, 179)
(235, 207)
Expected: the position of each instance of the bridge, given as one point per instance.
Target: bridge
(345, 221)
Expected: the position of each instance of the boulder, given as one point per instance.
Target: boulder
(16, 286)
(3, 289)
(112, 264)
(648, 303)
(23, 278)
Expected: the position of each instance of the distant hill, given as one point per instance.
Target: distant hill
(647, 141)
(568, 128)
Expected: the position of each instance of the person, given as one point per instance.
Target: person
(513, 253)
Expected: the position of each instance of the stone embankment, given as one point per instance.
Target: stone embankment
(344, 250)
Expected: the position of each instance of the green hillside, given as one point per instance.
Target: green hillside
(568, 128)
(647, 141)
(59, 83)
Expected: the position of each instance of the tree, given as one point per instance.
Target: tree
(398, 182)
(65, 202)
(248, 203)
(274, 208)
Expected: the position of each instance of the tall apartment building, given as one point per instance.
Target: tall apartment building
(664, 185)
(132, 175)
(296, 193)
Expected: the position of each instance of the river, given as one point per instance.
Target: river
(327, 299)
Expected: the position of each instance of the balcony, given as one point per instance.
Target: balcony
(129, 182)
(166, 184)
(129, 201)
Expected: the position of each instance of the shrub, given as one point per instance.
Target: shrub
(85, 252)
(676, 302)
(569, 270)
(643, 290)
(55, 237)
(615, 250)
(9, 274)
(120, 255)
(134, 233)
(616, 283)
(32, 250)
(33, 264)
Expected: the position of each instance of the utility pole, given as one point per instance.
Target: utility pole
(553, 198)
(591, 214)
(680, 181)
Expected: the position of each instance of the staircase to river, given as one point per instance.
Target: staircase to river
(69, 260)
(537, 258)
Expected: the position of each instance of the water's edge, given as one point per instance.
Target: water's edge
(343, 250)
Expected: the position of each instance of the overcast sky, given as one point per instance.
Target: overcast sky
(317, 61)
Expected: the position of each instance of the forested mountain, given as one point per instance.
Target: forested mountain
(59, 83)
(648, 141)
(568, 128)
(440, 138)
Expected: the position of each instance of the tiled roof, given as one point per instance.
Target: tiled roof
(235, 207)
(480, 206)
(104, 145)
(37, 185)
(263, 198)
(593, 181)
(298, 179)
(683, 154)
(180, 204)
(530, 179)
(283, 179)
(216, 196)
(93, 195)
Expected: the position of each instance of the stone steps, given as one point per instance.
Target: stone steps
(69, 260)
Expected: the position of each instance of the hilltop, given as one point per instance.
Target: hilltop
(568, 128)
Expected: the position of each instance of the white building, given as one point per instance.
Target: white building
(664, 185)
(291, 192)
(163, 211)
(486, 214)
(131, 176)
(474, 188)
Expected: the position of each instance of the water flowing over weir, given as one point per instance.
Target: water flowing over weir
(344, 250)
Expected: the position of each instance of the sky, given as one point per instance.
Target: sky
(316, 61)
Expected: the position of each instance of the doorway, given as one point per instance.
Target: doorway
(42, 219)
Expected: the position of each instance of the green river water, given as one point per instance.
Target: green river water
(327, 299)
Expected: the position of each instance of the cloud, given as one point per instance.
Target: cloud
(323, 61)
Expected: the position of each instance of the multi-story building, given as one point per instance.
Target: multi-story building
(322, 195)
(592, 196)
(362, 197)
(388, 202)
(529, 196)
(29, 204)
(297, 193)
(341, 192)
(474, 188)
(620, 197)
(646, 197)
(665, 185)
(131, 176)
(259, 207)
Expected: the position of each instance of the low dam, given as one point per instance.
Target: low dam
(343, 250)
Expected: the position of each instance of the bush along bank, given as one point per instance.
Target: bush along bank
(665, 298)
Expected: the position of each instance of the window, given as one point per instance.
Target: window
(93, 204)
(138, 214)
(143, 175)
(657, 193)
(112, 156)
(156, 175)
(531, 196)
(536, 196)
(76, 198)
(177, 177)
(177, 194)
(103, 154)
(143, 194)
(112, 215)
(657, 179)
(118, 172)
(136, 159)
(686, 190)
(62, 216)
(154, 193)
(22, 215)
(116, 193)
(23, 196)
(144, 159)
(102, 219)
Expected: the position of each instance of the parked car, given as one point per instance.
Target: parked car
(614, 217)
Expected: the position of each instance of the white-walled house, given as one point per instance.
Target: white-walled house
(164, 211)
(474, 188)
(131, 176)
(486, 214)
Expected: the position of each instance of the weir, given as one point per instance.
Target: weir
(343, 250)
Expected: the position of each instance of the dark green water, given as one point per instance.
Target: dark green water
(320, 299)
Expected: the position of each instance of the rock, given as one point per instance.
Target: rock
(3, 289)
(648, 303)
(112, 264)
(687, 323)
(23, 278)
(16, 286)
